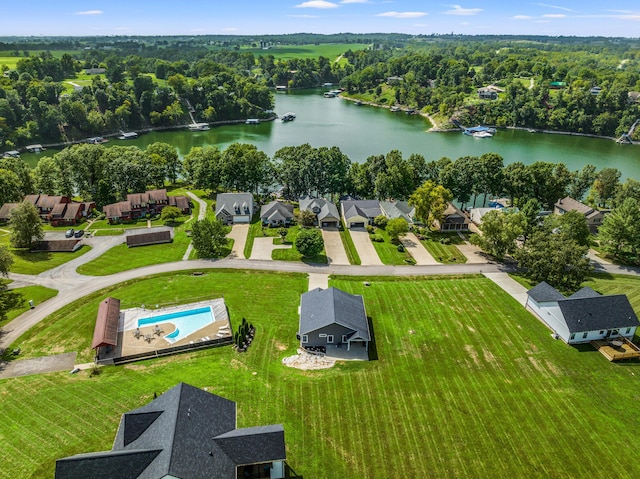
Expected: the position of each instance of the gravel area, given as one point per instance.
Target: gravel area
(306, 361)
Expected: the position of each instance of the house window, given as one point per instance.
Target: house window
(329, 338)
(627, 331)
(305, 338)
(602, 331)
(573, 335)
(322, 335)
(344, 338)
(584, 335)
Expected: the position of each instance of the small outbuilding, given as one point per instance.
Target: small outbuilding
(332, 317)
(105, 333)
(153, 237)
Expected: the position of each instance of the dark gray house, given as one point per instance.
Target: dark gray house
(331, 317)
(185, 433)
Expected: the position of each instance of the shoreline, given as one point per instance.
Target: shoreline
(435, 127)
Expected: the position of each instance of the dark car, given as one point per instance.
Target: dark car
(79, 234)
(69, 233)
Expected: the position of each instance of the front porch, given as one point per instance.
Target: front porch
(617, 349)
(270, 470)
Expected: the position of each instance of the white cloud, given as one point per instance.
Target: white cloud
(90, 12)
(458, 10)
(317, 4)
(557, 7)
(554, 15)
(402, 14)
(521, 17)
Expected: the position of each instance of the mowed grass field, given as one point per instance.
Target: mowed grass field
(328, 50)
(466, 384)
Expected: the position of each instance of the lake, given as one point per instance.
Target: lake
(362, 131)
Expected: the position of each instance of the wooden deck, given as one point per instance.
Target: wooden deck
(617, 349)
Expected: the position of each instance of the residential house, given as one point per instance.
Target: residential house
(331, 317)
(142, 205)
(594, 217)
(94, 71)
(327, 215)
(398, 209)
(453, 219)
(276, 213)
(57, 210)
(185, 433)
(486, 93)
(634, 96)
(359, 213)
(596, 90)
(232, 208)
(476, 214)
(584, 316)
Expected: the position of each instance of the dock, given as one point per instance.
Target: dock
(627, 137)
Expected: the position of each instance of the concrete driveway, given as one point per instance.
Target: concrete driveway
(368, 254)
(417, 250)
(333, 246)
(262, 248)
(239, 235)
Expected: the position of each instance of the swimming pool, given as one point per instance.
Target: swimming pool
(186, 322)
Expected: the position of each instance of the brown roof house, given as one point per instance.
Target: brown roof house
(141, 205)
(453, 219)
(185, 433)
(594, 217)
(57, 210)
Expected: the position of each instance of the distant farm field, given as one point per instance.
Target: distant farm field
(328, 50)
(465, 384)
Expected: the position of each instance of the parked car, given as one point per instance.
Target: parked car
(79, 234)
(70, 232)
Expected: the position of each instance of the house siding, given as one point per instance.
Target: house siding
(334, 329)
(549, 312)
(595, 335)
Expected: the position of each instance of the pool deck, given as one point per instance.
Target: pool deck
(149, 341)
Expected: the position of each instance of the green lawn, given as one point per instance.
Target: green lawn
(255, 231)
(444, 253)
(467, 384)
(38, 294)
(292, 254)
(287, 52)
(349, 247)
(25, 262)
(108, 232)
(388, 252)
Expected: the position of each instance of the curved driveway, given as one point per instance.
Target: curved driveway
(73, 285)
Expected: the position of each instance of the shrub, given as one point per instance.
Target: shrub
(377, 238)
(445, 240)
(401, 248)
(370, 229)
(309, 242)
(381, 221)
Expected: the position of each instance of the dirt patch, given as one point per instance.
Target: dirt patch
(488, 356)
(472, 353)
(306, 361)
(279, 346)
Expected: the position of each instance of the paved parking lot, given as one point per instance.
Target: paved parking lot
(334, 247)
(366, 251)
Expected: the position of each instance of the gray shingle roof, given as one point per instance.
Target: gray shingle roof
(600, 312)
(322, 307)
(186, 433)
(585, 292)
(544, 292)
(322, 208)
(366, 208)
(276, 211)
(226, 201)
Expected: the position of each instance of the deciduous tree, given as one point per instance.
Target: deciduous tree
(396, 228)
(309, 242)
(209, 237)
(430, 200)
(500, 229)
(26, 226)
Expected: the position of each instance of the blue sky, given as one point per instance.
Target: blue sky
(252, 17)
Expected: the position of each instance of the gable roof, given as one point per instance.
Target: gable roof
(57, 246)
(599, 312)
(322, 307)
(322, 208)
(226, 202)
(6, 210)
(154, 237)
(544, 292)
(587, 310)
(364, 208)
(105, 332)
(398, 209)
(569, 204)
(186, 433)
(276, 211)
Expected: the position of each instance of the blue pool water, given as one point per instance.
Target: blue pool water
(186, 322)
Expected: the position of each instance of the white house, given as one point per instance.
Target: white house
(584, 316)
